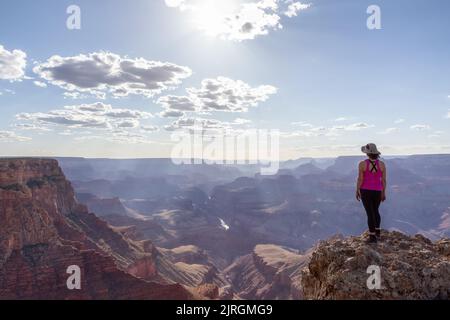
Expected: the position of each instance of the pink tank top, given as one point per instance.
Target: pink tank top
(372, 179)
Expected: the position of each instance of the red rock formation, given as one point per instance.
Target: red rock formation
(102, 206)
(409, 268)
(43, 231)
(208, 290)
(269, 272)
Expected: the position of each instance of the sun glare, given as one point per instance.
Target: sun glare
(210, 15)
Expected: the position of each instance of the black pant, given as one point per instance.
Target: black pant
(371, 200)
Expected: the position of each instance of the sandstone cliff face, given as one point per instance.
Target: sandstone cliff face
(269, 272)
(43, 231)
(410, 268)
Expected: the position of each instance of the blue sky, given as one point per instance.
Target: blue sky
(326, 81)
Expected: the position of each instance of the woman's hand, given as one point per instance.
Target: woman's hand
(358, 195)
(383, 196)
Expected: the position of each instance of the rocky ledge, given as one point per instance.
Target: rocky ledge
(398, 267)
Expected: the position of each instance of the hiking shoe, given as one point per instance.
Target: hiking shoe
(372, 239)
(378, 233)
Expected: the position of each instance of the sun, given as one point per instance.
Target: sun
(211, 15)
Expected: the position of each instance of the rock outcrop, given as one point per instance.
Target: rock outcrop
(102, 206)
(409, 268)
(43, 231)
(269, 272)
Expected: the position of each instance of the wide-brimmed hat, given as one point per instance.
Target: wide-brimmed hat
(370, 148)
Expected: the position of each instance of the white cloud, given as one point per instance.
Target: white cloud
(95, 116)
(318, 131)
(448, 115)
(298, 134)
(334, 147)
(220, 94)
(149, 128)
(128, 137)
(40, 84)
(238, 20)
(420, 127)
(12, 64)
(131, 123)
(74, 95)
(196, 123)
(30, 127)
(340, 119)
(389, 131)
(180, 104)
(8, 91)
(171, 114)
(353, 127)
(241, 121)
(302, 124)
(66, 133)
(295, 7)
(10, 136)
(118, 136)
(398, 121)
(175, 3)
(101, 72)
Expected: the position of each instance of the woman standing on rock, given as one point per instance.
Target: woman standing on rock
(371, 188)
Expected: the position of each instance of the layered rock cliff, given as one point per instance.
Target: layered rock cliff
(269, 272)
(43, 231)
(398, 267)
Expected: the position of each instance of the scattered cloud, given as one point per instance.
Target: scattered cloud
(100, 73)
(176, 106)
(30, 127)
(12, 64)
(398, 121)
(7, 91)
(95, 116)
(197, 124)
(241, 121)
(294, 7)
(123, 136)
(118, 136)
(389, 131)
(131, 123)
(238, 20)
(149, 128)
(340, 119)
(171, 114)
(302, 124)
(91, 121)
(40, 84)
(66, 133)
(310, 130)
(220, 94)
(74, 95)
(448, 114)
(420, 127)
(334, 147)
(436, 134)
(353, 127)
(10, 136)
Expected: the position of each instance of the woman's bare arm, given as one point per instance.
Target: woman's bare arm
(384, 181)
(359, 180)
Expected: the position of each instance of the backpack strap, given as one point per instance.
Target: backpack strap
(373, 166)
